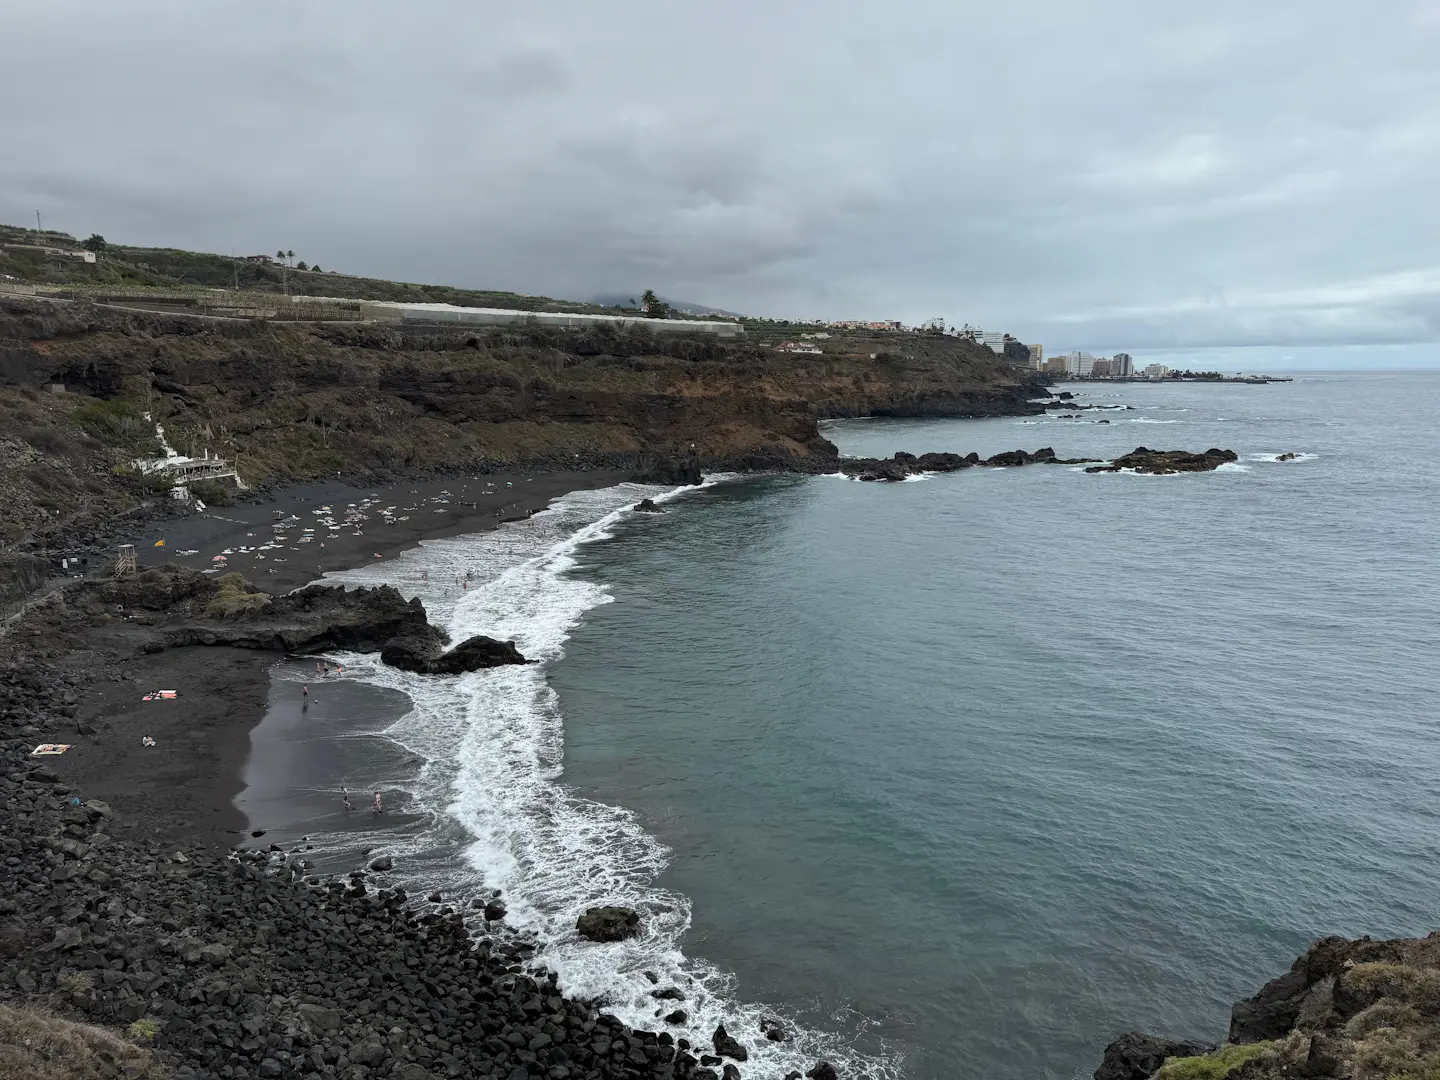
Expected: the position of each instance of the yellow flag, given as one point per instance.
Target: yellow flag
(159, 543)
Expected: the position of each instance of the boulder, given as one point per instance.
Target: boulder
(823, 1070)
(421, 653)
(726, 1045)
(608, 923)
(1136, 1056)
(382, 864)
(647, 506)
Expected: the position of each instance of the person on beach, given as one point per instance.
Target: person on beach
(345, 797)
(376, 807)
(424, 575)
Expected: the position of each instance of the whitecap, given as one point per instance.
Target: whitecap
(492, 743)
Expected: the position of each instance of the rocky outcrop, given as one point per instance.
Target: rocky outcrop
(421, 653)
(608, 923)
(1134, 1056)
(176, 602)
(1163, 462)
(1346, 1009)
(902, 464)
(647, 506)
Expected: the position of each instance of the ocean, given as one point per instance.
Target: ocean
(959, 777)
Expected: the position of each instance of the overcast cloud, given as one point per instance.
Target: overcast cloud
(1083, 173)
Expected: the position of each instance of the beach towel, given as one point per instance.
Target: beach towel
(50, 749)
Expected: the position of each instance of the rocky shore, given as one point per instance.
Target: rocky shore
(1347, 1010)
(1140, 460)
(234, 964)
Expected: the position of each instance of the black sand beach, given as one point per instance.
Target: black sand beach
(425, 510)
(186, 785)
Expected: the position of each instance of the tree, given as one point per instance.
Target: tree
(653, 306)
(301, 265)
(316, 269)
(280, 256)
(95, 243)
(289, 255)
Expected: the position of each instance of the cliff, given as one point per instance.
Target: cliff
(1347, 1009)
(293, 402)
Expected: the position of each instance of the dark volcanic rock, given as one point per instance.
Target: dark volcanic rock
(1163, 462)
(1135, 1056)
(421, 653)
(902, 465)
(1272, 1012)
(823, 1070)
(727, 1045)
(647, 506)
(1291, 456)
(608, 923)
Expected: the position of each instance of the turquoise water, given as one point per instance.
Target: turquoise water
(984, 769)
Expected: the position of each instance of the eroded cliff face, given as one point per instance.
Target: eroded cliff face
(298, 401)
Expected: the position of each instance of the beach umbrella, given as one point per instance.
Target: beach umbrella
(219, 558)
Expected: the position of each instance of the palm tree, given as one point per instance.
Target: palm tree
(279, 256)
(290, 255)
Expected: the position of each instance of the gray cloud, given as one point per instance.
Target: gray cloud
(1115, 173)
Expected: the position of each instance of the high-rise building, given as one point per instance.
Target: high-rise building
(1079, 363)
(1156, 371)
(1037, 357)
(1121, 364)
(994, 341)
(1102, 367)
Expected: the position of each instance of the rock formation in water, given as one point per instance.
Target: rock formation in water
(422, 654)
(902, 464)
(608, 923)
(1162, 462)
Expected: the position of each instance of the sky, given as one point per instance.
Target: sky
(1093, 174)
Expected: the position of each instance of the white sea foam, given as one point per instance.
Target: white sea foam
(1148, 420)
(492, 745)
(1276, 457)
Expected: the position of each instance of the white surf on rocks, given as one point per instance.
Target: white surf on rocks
(492, 744)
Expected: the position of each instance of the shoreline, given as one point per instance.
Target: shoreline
(185, 787)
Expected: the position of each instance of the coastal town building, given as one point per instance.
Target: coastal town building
(1121, 364)
(1037, 357)
(1156, 371)
(994, 341)
(798, 347)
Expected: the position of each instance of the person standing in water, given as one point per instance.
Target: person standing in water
(376, 807)
(345, 797)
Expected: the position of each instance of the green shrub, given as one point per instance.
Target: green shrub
(212, 492)
(75, 982)
(1386, 1013)
(1214, 1066)
(117, 423)
(144, 1030)
(234, 597)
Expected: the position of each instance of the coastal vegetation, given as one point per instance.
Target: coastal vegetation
(235, 597)
(1216, 1066)
(38, 1044)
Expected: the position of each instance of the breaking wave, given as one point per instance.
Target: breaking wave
(500, 815)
